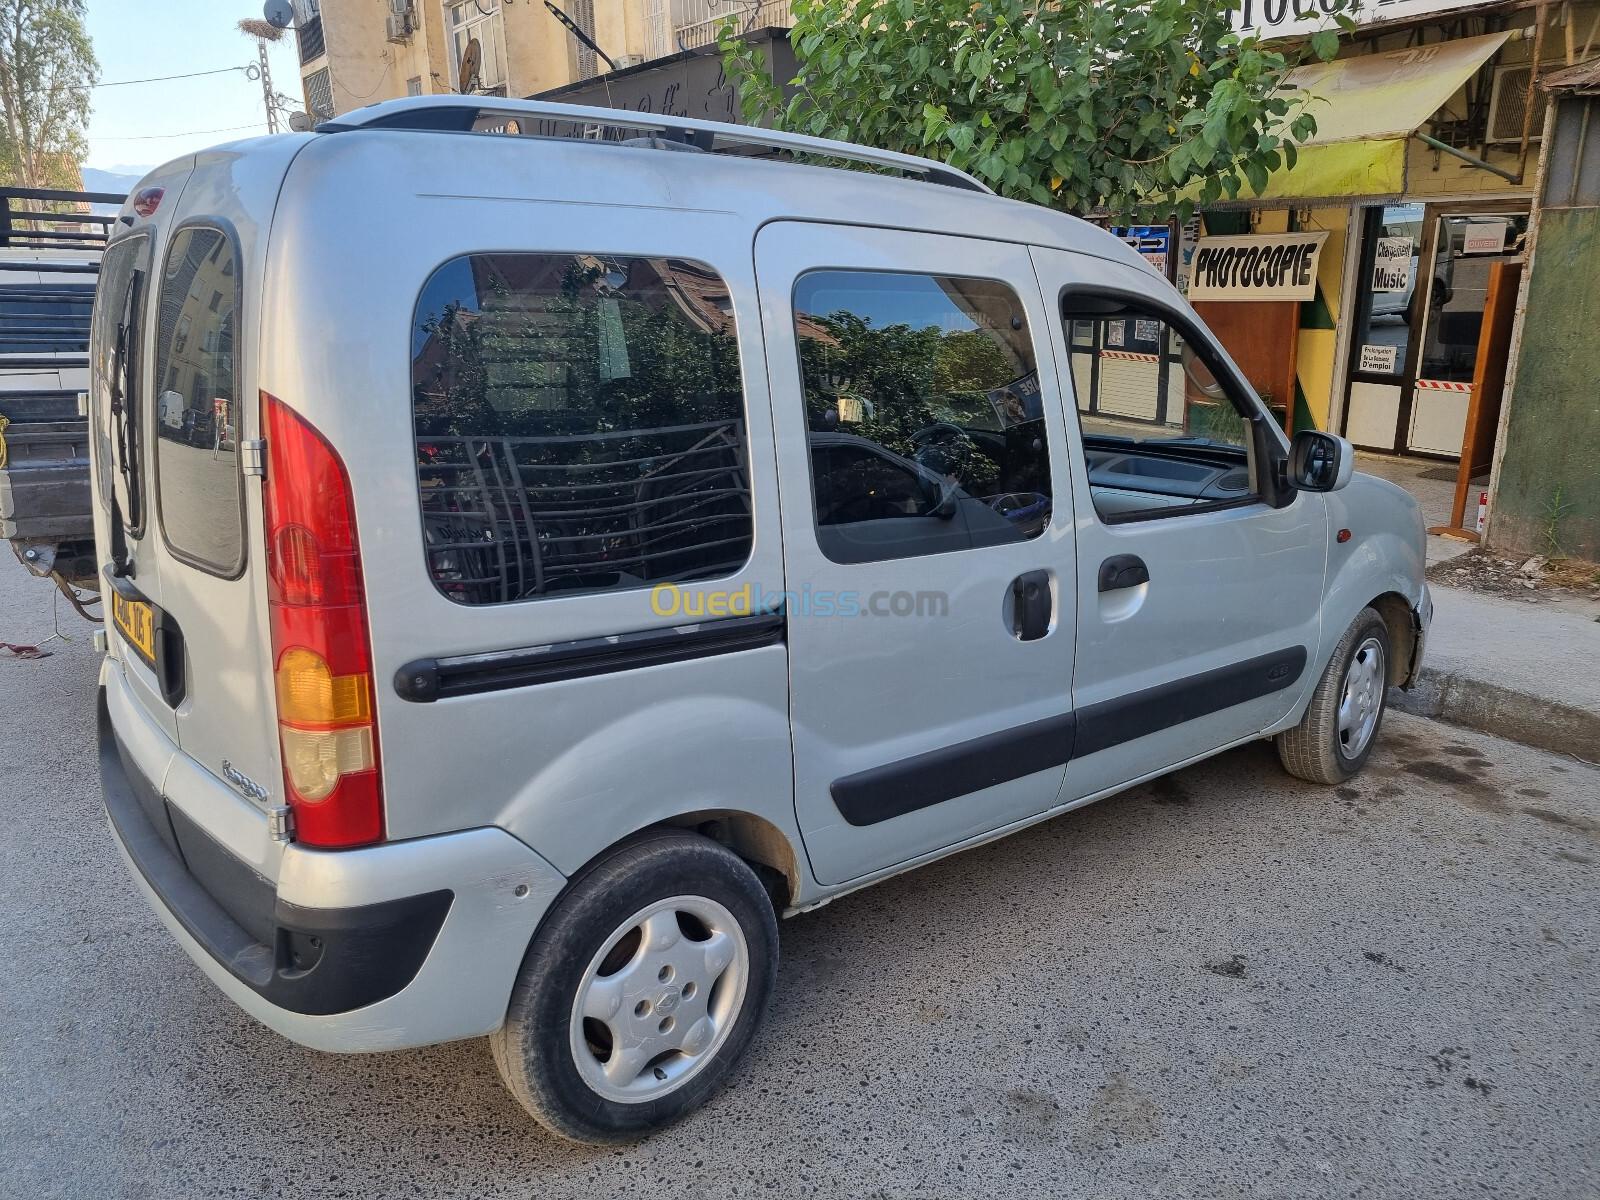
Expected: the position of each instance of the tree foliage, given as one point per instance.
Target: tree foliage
(1126, 107)
(47, 65)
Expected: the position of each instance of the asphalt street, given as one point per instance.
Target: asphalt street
(1224, 984)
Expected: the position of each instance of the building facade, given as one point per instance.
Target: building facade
(358, 52)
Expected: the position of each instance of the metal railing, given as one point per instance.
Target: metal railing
(747, 14)
(534, 119)
(25, 224)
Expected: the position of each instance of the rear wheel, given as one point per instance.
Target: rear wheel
(1340, 726)
(642, 990)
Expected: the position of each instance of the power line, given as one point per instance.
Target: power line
(165, 78)
(142, 137)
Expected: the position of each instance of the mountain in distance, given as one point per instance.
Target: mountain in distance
(116, 179)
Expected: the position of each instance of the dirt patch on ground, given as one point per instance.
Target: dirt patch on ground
(1534, 578)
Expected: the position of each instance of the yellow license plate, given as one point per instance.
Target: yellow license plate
(136, 622)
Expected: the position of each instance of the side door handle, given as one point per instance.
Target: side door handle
(1031, 605)
(1123, 571)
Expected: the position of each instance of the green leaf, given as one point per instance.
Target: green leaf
(1325, 43)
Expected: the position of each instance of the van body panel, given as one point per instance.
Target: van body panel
(526, 758)
(877, 693)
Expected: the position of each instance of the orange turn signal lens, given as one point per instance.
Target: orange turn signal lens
(309, 693)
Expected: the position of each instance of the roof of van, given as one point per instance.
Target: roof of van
(612, 156)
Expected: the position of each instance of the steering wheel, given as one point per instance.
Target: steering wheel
(939, 431)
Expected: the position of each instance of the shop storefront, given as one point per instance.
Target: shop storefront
(1420, 178)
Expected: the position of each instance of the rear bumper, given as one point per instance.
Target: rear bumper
(397, 945)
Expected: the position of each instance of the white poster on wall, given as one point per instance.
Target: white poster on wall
(1391, 265)
(1380, 359)
(1277, 266)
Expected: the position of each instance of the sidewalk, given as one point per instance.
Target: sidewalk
(1525, 671)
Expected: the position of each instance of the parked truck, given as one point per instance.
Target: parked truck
(50, 246)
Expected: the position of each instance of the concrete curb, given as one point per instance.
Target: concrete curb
(1505, 712)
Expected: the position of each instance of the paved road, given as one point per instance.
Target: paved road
(1225, 984)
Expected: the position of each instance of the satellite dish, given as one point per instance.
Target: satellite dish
(471, 61)
(279, 13)
(301, 122)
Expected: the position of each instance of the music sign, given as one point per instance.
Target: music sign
(1391, 265)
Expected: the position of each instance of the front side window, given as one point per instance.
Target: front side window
(579, 426)
(924, 415)
(1161, 434)
(196, 411)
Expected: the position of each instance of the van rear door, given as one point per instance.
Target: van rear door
(129, 564)
(199, 409)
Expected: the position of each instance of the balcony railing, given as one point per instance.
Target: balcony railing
(700, 24)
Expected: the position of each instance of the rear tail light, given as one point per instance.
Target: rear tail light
(321, 647)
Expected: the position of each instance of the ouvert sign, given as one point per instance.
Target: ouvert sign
(1291, 18)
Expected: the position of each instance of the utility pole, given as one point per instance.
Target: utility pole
(261, 70)
(267, 94)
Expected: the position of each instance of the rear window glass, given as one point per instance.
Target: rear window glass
(196, 406)
(112, 342)
(579, 425)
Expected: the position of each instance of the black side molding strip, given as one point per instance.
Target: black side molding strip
(1112, 722)
(923, 780)
(424, 680)
(897, 788)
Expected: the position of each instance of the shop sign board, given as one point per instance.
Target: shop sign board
(1391, 265)
(1280, 266)
(1379, 359)
(1300, 18)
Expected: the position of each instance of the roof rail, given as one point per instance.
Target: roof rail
(540, 118)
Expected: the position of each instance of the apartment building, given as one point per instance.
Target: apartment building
(357, 52)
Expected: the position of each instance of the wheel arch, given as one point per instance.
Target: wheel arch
(1401, 620)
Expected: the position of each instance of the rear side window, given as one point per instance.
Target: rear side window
(579, 425)
(196, 409)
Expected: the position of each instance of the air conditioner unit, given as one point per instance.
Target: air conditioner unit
(1508, 101)
(397, 27)
(624, 61)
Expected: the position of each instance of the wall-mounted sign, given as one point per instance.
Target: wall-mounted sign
(1153, 242)
(1279, 266)
(1379, 359)
(1300, 18)
(1391, 265)
(1484, 237)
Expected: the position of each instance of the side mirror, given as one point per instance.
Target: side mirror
(1320, 462)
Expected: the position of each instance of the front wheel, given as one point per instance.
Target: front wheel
(642, 990)
(1340, 726)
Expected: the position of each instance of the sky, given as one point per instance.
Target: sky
(141, 125)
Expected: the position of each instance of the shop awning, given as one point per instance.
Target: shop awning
(1367, 108)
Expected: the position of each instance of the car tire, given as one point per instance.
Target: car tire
(661, 956)
(1335, 737)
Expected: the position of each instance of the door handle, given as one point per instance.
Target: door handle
(1031, 605)
(1123, 571)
